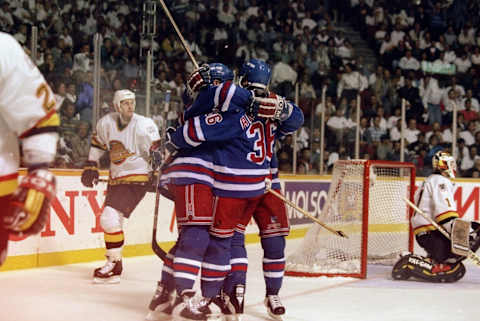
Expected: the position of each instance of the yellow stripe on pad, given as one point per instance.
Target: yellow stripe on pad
(114, 238)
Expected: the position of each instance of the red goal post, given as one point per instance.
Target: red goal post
(365, 200)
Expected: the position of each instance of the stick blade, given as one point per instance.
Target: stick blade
(342, 234)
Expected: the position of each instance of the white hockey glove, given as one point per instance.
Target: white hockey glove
(30, 204)
(198, 79)
(273, 107)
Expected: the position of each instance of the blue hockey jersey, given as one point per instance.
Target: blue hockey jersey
(248, 159)
(227, 150)
(194, 162)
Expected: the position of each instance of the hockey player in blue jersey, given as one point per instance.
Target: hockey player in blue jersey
(192, 180)
(268, 211)
(240, 167)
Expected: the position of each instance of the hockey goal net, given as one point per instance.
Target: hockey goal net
(365, 200)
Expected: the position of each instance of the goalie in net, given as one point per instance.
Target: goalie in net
(435, 199)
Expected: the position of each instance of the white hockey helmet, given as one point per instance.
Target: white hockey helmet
(122, 95)
(444, 163)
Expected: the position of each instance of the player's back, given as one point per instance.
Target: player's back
(204, 130)
(243, 163)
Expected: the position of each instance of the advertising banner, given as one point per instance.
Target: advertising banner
(73, 232)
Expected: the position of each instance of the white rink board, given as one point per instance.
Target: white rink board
(74, 226)
(73, 223)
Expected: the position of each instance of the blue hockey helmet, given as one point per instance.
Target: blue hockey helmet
(255, 73)
(220, 71)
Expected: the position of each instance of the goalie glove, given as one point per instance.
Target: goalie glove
(90, 174)
(198, 79)
(273, 107)
(29, 206)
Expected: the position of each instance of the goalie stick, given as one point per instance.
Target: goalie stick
(301, 210)
(470, 254)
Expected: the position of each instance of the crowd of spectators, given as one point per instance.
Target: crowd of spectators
(427, 52)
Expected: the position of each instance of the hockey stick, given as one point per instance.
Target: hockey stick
(155, 247)
(301, 210)
(111, 182)
(471, 255)
(179, 34)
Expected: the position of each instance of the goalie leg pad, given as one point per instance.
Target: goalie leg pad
(437, 246)
(400, 270)
(420, 268)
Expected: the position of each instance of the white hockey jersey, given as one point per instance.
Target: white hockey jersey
(129, 147)
(27, 110)
(434, 198)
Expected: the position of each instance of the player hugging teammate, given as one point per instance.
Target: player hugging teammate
(223, 156)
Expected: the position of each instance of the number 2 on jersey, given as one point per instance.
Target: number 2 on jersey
(44, 91)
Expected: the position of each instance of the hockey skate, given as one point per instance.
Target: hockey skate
(161, 305)
(275, 307)
(195, 309)
(231, 305)
(109, 273)
(224, 303)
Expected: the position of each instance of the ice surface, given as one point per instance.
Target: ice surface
(66, 293)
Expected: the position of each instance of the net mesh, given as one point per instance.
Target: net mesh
(322, 252)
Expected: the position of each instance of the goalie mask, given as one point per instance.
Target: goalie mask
(445, 164)
(126, 108)
(220, 73)
(255, 74)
